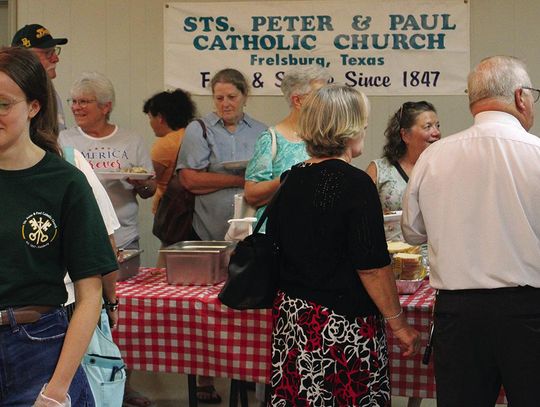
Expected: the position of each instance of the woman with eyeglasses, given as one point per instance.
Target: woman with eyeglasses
(107, 147)
(51, 223)
(410, 130)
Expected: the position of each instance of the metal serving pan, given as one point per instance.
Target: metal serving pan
(129, 266)
(197, 262)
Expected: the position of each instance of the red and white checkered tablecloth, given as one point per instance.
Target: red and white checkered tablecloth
(409, 377)
(186, 329)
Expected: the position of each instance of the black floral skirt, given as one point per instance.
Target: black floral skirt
(320, 358)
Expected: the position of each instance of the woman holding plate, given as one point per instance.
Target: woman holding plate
(109, 148)
(210, 160)
(210, 167)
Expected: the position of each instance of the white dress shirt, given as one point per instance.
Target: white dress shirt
(475, 197)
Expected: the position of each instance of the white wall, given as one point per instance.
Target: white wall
(124, 40)
(5, 38)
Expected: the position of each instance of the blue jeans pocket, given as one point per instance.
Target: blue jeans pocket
(49, 327)
(30, 354)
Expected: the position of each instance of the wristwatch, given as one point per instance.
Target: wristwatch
(110, 306)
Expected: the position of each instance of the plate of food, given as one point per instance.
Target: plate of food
(235, 165)
(139, 173)
(393, 216)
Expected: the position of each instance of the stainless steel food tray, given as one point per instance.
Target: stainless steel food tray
(197, 262)
(129, 266)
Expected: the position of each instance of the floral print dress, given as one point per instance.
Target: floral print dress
(391, 186)
(322, 359)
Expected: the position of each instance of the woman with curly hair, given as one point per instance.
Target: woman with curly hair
(411, 129)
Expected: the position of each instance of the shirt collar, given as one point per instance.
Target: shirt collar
(495, 115)
(215, 119)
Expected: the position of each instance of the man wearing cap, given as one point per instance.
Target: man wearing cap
(38, 39)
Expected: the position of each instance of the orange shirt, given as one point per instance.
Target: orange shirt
(164, 152)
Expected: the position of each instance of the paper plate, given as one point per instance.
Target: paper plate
(393, 216)
(117, 175)
(235, 165)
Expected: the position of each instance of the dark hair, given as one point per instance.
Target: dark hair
(233, 77)
(24, 68)
(176, 107)
(403, 118)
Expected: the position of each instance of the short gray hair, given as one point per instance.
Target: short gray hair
(297, 81)
(497, 77)
(97, 84)
(330, 117)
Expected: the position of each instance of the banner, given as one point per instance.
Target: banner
(382, 47)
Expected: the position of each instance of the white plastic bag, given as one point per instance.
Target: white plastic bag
(241, 225)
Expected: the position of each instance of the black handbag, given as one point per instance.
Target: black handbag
(174, 214)
(253, 269)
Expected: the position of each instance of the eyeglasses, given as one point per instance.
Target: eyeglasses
(81, 102)
(49, 52)
(534, 92)
(6, 105)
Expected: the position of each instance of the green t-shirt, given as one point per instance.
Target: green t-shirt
(50, 223)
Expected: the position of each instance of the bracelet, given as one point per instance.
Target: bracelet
(110, 306)
(145, 188)
(394, 316)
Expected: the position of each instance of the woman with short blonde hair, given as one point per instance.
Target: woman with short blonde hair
(331, 118)
(336, 289)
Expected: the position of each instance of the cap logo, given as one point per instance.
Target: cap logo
(26, 42)
(42, 32)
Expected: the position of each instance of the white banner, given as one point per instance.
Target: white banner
(382, 47)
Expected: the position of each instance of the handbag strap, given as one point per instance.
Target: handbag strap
(401, 171)
(180, 145)
(201, 122)
(274, 142)
(69, 155)
(264, 215)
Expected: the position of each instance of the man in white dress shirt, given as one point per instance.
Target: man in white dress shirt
(474, 197)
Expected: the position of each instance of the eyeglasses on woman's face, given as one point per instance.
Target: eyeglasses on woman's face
(535, 93)
(6, 105)
(49, 52)
(80, 102)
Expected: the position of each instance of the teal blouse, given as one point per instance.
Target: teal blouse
(262, 167)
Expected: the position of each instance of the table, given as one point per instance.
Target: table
(409, 377)
(186, 329)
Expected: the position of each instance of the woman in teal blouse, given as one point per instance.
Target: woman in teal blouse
(279, 148)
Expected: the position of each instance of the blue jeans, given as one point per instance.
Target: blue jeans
(28, 357)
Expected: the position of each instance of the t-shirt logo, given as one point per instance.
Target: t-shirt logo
(39, 230)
